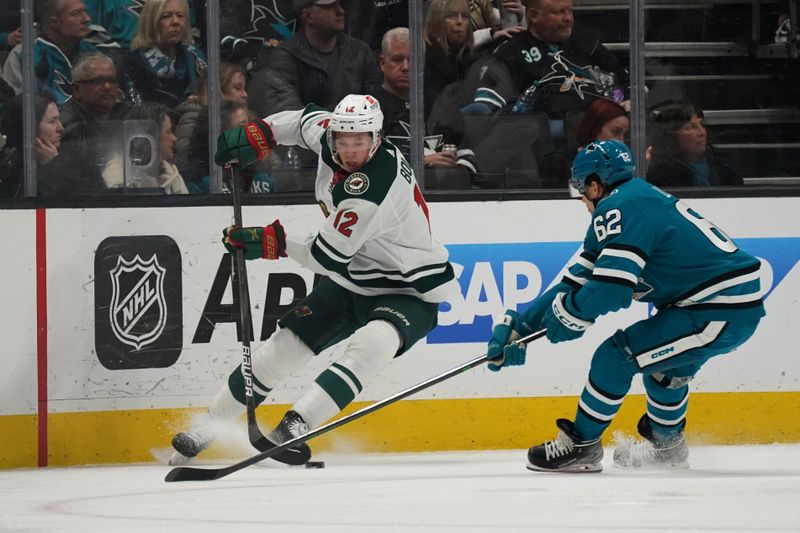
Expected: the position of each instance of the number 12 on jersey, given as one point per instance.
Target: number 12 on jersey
(344, 220)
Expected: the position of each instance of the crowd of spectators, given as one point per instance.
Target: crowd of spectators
(511, 88)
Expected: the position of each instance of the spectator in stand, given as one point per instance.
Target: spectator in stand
(168, 177)
(64, 25)
(393, 94)
(602, 121)
(232, 83)
(96, 94)
(553, 69)
(48, 141)
(85, 116)
(320, 64)
(58, 167)
(681, 154)
(448, 47)
(255, 178)
(164, 65)
(394, 100)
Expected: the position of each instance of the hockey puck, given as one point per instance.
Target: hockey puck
(315, 464)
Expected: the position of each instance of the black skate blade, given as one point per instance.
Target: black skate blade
(291, 456)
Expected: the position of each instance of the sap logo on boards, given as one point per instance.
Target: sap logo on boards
(496, 277)
(493, 278)
(138, 302)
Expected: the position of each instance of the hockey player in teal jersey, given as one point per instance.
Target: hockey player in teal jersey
(385, 272)
(646, 245)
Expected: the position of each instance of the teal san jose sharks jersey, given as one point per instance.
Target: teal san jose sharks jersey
(647, 245)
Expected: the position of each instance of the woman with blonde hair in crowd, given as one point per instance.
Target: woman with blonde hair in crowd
(164, 65)
(232, 84)
(448, 46)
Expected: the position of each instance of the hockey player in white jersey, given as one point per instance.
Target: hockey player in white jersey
(386, 273)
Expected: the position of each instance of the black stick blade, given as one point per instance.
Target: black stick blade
(190, 473)
(292, 456)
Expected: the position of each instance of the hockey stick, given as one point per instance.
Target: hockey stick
(257, 439)
(188, 473)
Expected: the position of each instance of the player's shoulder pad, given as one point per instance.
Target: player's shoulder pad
(372, 182)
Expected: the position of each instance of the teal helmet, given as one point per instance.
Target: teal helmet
(611, 161)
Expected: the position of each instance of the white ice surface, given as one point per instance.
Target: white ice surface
(727, 489)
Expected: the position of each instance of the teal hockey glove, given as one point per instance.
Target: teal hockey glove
(502, 350)
(561, 321)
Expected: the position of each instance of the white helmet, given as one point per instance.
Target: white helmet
(356, 113)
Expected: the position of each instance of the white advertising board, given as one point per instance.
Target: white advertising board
(176, 353)
(18, 313)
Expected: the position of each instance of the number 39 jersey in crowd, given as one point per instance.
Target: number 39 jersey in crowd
(647, 245)
(376, 238)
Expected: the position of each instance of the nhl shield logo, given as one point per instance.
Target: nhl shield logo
(138, 310)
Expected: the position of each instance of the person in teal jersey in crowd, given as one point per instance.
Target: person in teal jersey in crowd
(63, 28)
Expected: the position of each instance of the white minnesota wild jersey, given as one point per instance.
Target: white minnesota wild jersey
(376, 238)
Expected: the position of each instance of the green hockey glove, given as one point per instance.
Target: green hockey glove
(246, 144)
(268, 242)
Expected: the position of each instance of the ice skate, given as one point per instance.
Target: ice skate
(187, 444)
(653, 451)
(291, 426)
(566, 453)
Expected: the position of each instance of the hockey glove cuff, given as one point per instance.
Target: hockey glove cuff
(268, 242)
(561, 320)
(503, 349)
